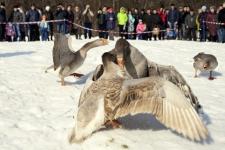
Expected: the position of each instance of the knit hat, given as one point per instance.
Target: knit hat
(110, 9)
(212, 7)
(204, 8)
(47, 8)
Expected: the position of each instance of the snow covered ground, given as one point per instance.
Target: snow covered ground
(36, 112)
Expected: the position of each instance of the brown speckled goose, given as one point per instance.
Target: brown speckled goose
(111, 97)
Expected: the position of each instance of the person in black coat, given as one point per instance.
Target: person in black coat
(2, 20)
(148, 20)
(61, 14)
(135, 13)
(102, 22)
(156, 24)
(181, 13)
(33, 16)
(16, 17)
(70, 17)
(191, 26)
(182, 32)
(49, 16)
(203, 27)
(221, 19)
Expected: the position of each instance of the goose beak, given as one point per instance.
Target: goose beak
(120, 62)
(104, 41)
(205, 66)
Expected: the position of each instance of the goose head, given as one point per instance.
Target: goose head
(99, 42)
(198, 56)
(122, 51)
(111, 68)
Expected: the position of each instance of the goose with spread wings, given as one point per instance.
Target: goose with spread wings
(66, 58)
(111, 97)
(136, 65)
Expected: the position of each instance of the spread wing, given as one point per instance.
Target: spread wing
(62, 54)
(166, 102)
(83, 93)
(90, 118)
(171, 74)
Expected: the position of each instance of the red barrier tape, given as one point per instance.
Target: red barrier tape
(33, 22)
(80, 26)
(115, 32)
(216, 23)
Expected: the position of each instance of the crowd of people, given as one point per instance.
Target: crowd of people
(182, 23)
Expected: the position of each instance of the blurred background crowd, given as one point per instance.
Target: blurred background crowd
(174, 22)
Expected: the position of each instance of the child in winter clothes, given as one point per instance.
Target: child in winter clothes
(44, 28)
(141, 27)
(170, 34)
(10, 32)
(111, 22)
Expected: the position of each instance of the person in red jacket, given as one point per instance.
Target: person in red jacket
(212, 28)
(163, 15)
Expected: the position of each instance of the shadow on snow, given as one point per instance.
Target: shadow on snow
(12, 54)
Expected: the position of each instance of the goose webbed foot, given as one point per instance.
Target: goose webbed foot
(77, 75)
(211, 78)
(113, 124)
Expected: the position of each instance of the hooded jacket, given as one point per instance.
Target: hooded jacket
(122, 16)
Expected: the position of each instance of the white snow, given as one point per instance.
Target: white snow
(36, 112)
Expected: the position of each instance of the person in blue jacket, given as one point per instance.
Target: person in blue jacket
(110, 22)
(172, 19)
